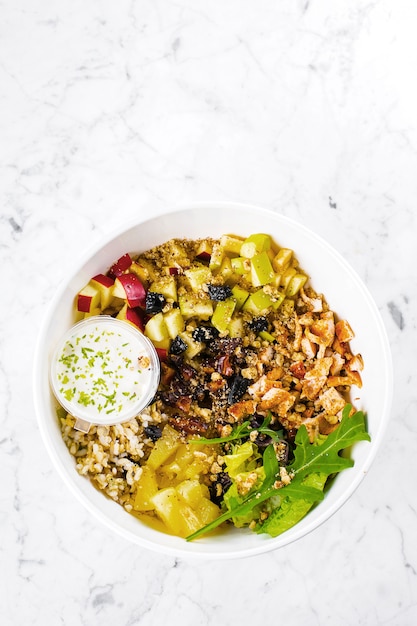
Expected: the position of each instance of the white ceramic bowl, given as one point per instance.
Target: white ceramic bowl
(330, 274)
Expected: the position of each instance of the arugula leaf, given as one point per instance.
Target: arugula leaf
(312, 465)
(244, 430)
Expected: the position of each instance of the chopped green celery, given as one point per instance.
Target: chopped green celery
(296, 283)
(223, 314)
(258, 302)
(240, 295)
(282, 260)
(191, 306)
(231, 244)
(255, 244)
(263, 334)
(240, 265)
(197, 276)
(261, 270)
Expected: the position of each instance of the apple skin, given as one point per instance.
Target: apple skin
(121, 265)
(131, 287)
(135, 317)
(162, 354)
(88, 298)
(104, 284)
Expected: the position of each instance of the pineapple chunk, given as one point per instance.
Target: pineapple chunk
(164, 447)
(147, 487)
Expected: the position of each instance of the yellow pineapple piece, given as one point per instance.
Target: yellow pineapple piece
(164, 447)
(146, 488)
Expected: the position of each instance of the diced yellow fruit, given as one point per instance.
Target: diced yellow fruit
(146, 488)
(236, 328)
(240, 265)
(216, 257)
(258, 302)
(261, 270)
(240, 295)
(192, 491)
(223, 314)
(167, 286)
(231, 244)
(197, 276)
(282, 260)
(207, 512)
(164, 344)
(164, 447)
(295, 284)
(167, 505)
(255, 244)
(174, 322)
(191, 306)
(278, 300)
(156, 328)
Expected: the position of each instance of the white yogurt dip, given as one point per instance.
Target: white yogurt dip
(104, 371)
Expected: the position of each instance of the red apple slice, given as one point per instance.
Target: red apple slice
(88, 299)
(129, 287)
(134, 316)
(104, 284)
(121, 265)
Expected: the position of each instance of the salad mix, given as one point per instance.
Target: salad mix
(253, 409)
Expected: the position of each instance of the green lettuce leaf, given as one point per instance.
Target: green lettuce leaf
(312, 465)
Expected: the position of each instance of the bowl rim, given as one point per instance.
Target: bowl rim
(271, 544)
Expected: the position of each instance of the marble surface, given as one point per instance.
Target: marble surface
(111, 110)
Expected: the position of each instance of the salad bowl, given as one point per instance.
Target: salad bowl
(329, 274)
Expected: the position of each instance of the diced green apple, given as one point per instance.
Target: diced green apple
(258, 302)
(240, 295)
(287, 277)
(223, 314)
(193, 347)
(167, 286)
(174, 322)
(204, 251)
(261, 270)
(216, 257)
(282, 260)
(255, 244)
(236, 328)
(240, 265)
(197, 276)
(296, 283)
(192, 306)
(230, 244)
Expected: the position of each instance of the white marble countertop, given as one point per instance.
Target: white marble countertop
(115, 109)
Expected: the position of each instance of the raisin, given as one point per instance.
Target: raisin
(205, 333)
(237, 388)
(258, 324)
(219, 292)
(219, 487)
(153, 432)
(154, 302)
(178, 345)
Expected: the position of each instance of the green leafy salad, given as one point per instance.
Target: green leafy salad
(280, 496)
